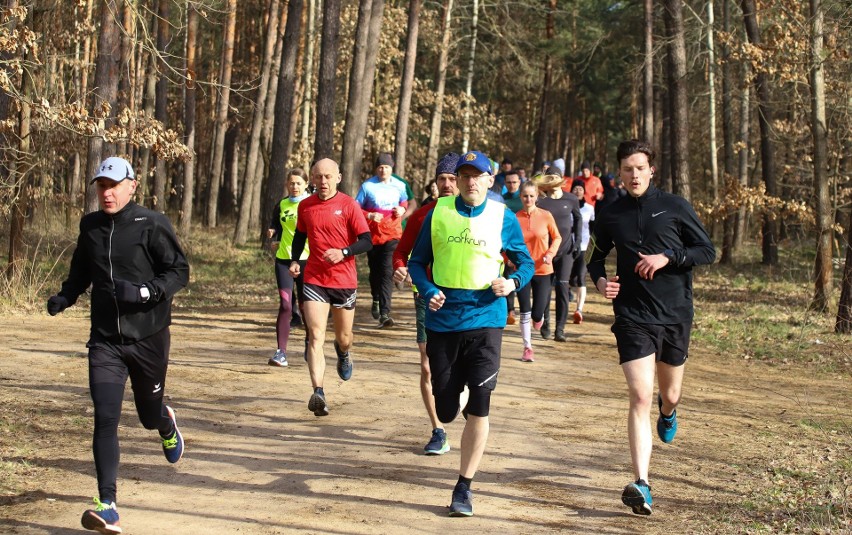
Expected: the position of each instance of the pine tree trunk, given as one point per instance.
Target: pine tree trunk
(711, 90)
(304, 137)
(440, 85)
(730, 225)
(403, 114)
(767, 148)
(324, 139)
(218, 149)
(673, 17)
(361, 74)
(541, 137)
(282, 129)
(742, 173)
(468, 88)
(844, 307)
(189, 121)
(158, 200)
(648, 78)
(251, 178)
(105, 91)
(824, 215)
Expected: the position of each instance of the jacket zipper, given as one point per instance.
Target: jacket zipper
(112, 278)
(639, 219)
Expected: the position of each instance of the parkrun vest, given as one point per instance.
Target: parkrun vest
(288, 212)
(466, 250)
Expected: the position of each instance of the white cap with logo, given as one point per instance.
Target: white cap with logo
(115, 169)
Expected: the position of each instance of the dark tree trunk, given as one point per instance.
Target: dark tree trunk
(729, 162)
(648, 76)
(282, 129)
(844, 308)
(158, 200)
(189, 121)
(541, 136)
(403, 113)
(767, 148)
(105, 90)
(673, 17)
(824, 216)
(324, 140)
(361, 76)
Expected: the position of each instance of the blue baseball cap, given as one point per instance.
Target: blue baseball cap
(477, 160)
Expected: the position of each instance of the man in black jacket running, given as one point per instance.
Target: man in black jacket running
(131, 258)
(658, 238)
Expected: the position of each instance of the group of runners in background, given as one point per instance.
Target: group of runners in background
(484, 234)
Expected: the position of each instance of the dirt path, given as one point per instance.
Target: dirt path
(258, 461)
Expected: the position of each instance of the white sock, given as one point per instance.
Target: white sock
(526, 318)
(581, 298)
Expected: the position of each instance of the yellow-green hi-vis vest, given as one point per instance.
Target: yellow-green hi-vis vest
(466, 250)
(288, 212)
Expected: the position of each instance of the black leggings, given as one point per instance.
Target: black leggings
(537, 291)
(562, 266)
(145, 362)
(380, 260)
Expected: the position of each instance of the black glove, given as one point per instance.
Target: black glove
(56, 304)
(127, 292)
(577, 252)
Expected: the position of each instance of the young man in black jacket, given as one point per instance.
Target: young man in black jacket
(131, 258)
(658, 238)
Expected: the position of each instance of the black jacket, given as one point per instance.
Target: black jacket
(569, 221)
(137, 245)
(650, 224)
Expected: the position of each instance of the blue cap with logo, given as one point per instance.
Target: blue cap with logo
(477, 160)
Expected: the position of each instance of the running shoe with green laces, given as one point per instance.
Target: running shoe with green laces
(103, 518)
(666, 425)
(385, 321)
(278, 359)
(173, 444)
(462, 504)
(438, 444)
(317, 404)
(637, 496)
(374, 310)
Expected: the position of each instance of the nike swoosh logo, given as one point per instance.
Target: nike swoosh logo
(658, 213)
(156, 388)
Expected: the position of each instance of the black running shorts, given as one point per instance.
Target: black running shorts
(669, 343)
(466, 357)
(145, 361)
(336, 297)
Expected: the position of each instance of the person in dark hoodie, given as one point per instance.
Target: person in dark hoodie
(658, 239)
(132, 260)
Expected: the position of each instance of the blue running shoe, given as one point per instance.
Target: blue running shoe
(103, 518)
(666, 425)
(317, 404)
(438, 444)
(638, 496)
(344, 363)
(173, 444)
(462, 501)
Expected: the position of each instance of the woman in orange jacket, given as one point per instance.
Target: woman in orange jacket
(542, 239)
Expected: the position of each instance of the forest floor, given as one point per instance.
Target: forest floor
(258, 462)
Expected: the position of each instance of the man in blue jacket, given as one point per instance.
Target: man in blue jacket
(462, 241)
(658, 238)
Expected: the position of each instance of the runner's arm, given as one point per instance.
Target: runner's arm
(299, 240)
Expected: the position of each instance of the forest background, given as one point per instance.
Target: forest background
(213, 101)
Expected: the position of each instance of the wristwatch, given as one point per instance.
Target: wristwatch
(144, 293)
(345, 252)
(668, 253)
